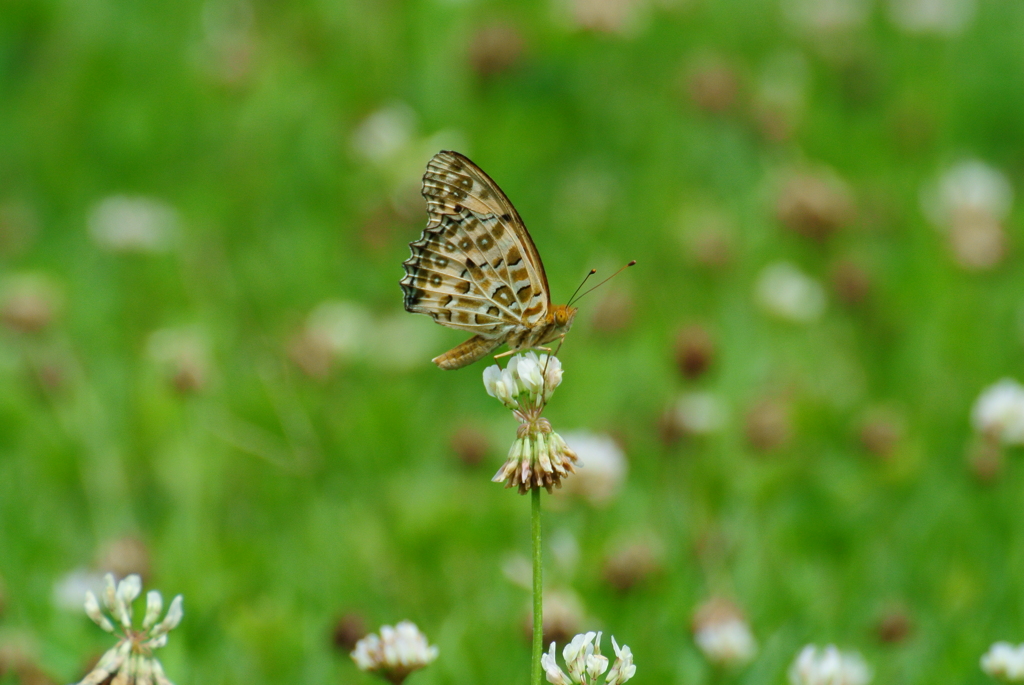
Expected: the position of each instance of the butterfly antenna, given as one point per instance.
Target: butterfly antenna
(585, 279)
(577, 299)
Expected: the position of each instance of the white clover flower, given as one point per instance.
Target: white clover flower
(343, 327)
(787, 293)
(131, 660)
(969, 203)
(539, 457)
(999, 412)
(828, 666)
(623, 668)
(122, 223)
(29, 302)
(727, 643)
(586, 664)
(385, 134)
(1004, 661)
(603, 467)
(396, 653)
(552, 670)
(966, 191)
(699, 413)
(183, 355)
(535, 376)
(722, 633)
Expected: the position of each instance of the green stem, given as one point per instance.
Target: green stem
(538, 589)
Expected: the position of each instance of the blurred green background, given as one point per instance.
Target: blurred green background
(206, 373)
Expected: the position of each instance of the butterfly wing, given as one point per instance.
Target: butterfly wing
(475, 266)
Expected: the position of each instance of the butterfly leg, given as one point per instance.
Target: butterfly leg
(506, 353)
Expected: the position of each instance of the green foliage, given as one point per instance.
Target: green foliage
(277, 501)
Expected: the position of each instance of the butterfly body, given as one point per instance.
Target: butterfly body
(475, 267)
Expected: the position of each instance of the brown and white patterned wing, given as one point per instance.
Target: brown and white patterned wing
(475, 267)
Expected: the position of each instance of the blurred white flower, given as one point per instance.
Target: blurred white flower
(29, 302)
(122, 223)
(1004, 661)
(602, 467)
(396, 653)
(966, 190)
(71, 587)
(729, 642)
(785, 292)
(816, 17)
(131, 660)
(345, 331)
(385, 134)
(828, 666)
(183, 355)
(999, 412)
(623, 17)
(944, 17)
(722, 634)
(699, 413)
(586, 664)
(345, 327)
(970, 202)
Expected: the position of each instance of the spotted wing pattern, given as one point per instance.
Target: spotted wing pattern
(475, 266)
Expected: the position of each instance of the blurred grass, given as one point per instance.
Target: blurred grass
(275, 502)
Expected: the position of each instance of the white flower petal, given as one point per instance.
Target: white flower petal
(154, 605)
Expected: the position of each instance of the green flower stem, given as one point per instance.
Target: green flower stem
(538, 589)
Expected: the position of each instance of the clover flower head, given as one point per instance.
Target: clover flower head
(586, 664)
(999, 412)
(395, 653)
(722, 634)
(829, 666)
(787, 293)
(131, 660)
(1005, 662)
(526, 383)
(122, 223)
(539, 457)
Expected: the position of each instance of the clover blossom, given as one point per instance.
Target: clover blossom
(828, 667)
(998, 412)
(131, 660)
(539, 456)
(586, 664)
(396, 653)
(1005, 662)
(722, 634)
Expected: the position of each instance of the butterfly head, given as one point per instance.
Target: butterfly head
(562, 316)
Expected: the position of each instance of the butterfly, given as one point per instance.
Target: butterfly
(475, 267)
